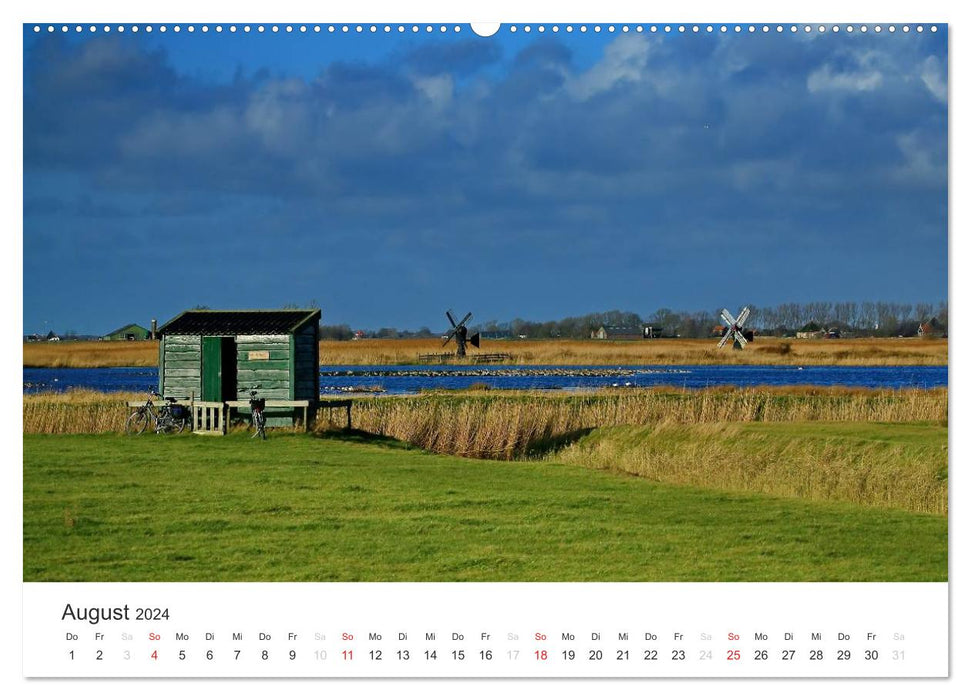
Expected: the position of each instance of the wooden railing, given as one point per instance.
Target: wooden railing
(212, 417)
(208, 417)
(274, 403)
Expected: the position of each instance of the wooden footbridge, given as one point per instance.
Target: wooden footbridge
(445, 358)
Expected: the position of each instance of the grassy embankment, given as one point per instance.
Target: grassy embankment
(299, 507)
(764, 351)
(884, 448)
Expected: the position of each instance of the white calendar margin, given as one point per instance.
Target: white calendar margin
(495, 10)
(351, 623)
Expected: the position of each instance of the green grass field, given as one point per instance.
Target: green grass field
(305, 508)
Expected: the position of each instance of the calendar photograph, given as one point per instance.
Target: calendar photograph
(450, 303)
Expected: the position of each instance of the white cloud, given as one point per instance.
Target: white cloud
(932, 76)
(278, 114)
(921, 165)
(437, 88)
(624, 60)
(825, 79)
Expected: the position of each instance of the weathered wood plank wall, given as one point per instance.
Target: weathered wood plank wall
(181, 373)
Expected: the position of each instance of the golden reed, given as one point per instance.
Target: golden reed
(506, 425)
(667, 351)
(911, 476)
(510, 426)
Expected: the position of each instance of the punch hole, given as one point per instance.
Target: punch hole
(485, 29)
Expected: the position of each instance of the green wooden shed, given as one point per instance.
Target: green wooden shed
(220, 355)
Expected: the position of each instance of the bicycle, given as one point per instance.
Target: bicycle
(168, 417)
(257, 407)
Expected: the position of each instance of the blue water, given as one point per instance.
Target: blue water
(399, 379)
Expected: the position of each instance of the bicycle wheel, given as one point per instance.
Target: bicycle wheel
(137, 422)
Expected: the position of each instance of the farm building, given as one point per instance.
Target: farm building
(130, 332)
(811, 330)
(619, 333)
(931, 329)
(218, 356)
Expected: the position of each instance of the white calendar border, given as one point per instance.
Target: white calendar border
(438, 10)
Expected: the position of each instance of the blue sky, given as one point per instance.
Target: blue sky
(391, 176)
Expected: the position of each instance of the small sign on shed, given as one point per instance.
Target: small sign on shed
(259, 355)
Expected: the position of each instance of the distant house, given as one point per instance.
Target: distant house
(619, 333)
(931, 329)
(811, 330)
(719, 331)
(52, 337)
(130, 332)
(653, 331)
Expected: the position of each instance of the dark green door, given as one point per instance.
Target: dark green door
(212, 369)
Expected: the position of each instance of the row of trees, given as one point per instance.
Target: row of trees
(849, 317)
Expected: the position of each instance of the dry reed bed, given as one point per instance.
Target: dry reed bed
(510, 424)
(767, 351)
(815, 467)
(518, 425)
(75, 412)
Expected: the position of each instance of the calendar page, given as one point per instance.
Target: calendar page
(399, 346)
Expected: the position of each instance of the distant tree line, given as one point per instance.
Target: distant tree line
(877, 319)
(345, 332)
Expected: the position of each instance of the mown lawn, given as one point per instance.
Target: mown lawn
(305, 508)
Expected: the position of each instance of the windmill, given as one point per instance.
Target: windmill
(736, 332)
(460, 333)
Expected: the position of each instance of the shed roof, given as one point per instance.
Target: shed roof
(207, 322)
